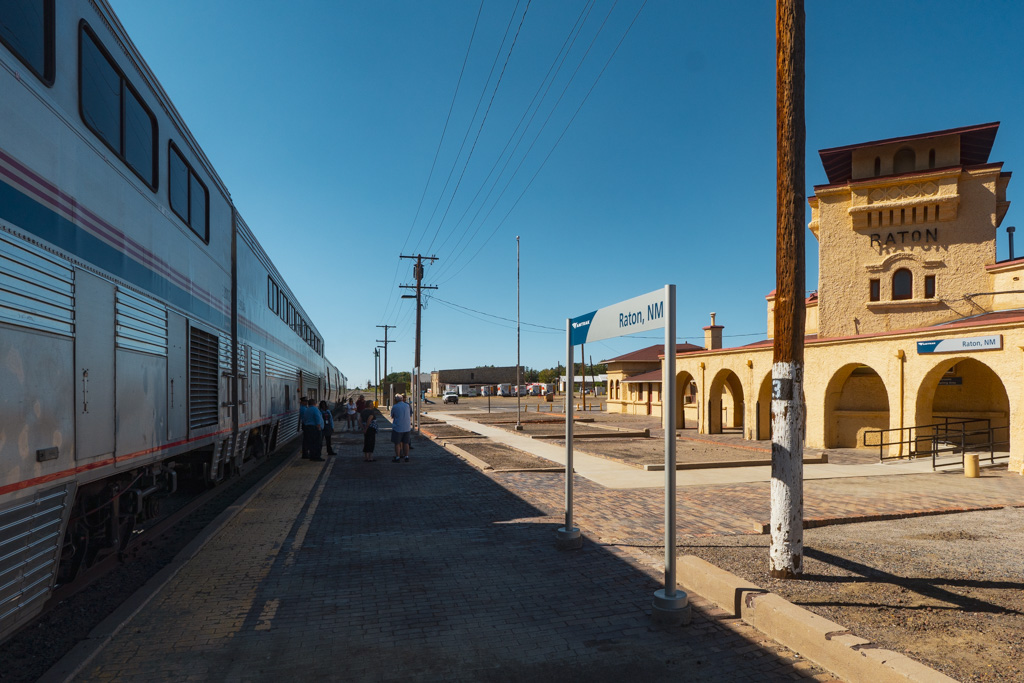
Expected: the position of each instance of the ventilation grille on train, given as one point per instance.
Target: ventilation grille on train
(203, 380)
(36, 289)
(141, 325)
(29, 546)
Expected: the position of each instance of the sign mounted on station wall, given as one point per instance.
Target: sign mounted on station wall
(993, 342)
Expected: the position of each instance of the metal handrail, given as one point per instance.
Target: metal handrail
(952, 435)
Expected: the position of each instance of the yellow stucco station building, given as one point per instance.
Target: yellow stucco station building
(915, 322)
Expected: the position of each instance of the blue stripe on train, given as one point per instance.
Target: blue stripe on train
(50, 226)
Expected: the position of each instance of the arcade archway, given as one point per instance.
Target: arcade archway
(725, 403)
(966, 389)
(856, 401)
(687, 402)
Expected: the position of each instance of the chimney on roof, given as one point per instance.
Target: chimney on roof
(713, 335)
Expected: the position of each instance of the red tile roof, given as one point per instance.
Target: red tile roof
(652, 354)
(653, 376)
(975, 146)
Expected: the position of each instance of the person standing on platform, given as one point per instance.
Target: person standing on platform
(360, 406)
(328, 427)
(312, 431)
(369, 420)
(350, 415)
(401, 428)
(302, 414)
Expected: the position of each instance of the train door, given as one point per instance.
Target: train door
(177, 377)
(94, 366)
(256, 384)
(245, 386)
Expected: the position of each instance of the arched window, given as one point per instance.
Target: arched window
(902, 284)
(905, 161)
(878, 166)
(931, 158)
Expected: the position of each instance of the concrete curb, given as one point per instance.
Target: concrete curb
(824, 642)
(610, 435)
(821, 460)
(468, 457)
(481, 465)
(79, 657)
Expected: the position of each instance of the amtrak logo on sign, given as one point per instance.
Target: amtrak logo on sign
(645, 312)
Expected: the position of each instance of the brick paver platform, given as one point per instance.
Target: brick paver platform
(429, 570)
(636, 515)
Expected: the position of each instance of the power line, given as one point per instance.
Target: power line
(469, 128)
(437, 152)
(483, 121)
(569, 41)
(554, 147)
(491, 315)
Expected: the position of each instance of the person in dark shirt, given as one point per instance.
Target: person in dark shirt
(328, 430)
(369, 420)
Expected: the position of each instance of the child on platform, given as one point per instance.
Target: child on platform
(369, 436)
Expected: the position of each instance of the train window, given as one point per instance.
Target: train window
(177, 184)
(187, 193)
(199, 200)
(113, 110)
(26, 28)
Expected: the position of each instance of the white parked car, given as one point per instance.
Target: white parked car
(450, 397)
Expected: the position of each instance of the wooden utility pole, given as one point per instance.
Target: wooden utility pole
(417, 272)
(376, 375)
(385, 341)
(785, 558)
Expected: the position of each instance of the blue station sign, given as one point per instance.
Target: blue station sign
(992, 342)
(641, 313)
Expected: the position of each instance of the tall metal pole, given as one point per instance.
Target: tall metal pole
(569, 537)
(786, 553)
(519, 424)
(670, 605)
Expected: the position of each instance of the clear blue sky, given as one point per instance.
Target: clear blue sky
(324, 119)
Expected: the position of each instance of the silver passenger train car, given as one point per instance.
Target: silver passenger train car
(144, 333)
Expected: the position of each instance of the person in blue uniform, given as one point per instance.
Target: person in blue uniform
(312, 431)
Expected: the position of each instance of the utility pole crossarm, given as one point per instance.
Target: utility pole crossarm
(385, 341)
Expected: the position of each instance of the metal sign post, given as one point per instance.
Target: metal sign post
(646, 312)
(569, 537)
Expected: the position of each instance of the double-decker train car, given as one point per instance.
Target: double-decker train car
(144, 332)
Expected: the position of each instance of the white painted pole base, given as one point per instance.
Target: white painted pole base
(671, 610)
(568, 539)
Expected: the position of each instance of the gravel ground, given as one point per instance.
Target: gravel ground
(442, 430)
(32, 651)
(946, 590)
(502, 457)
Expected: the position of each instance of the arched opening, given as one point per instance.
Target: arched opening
(855, 402)
(725, 404)
(902, 285)
(931, 158)
(905, 161)
(763, 426)
(687, 402)
(966, 389)
(878, 166)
